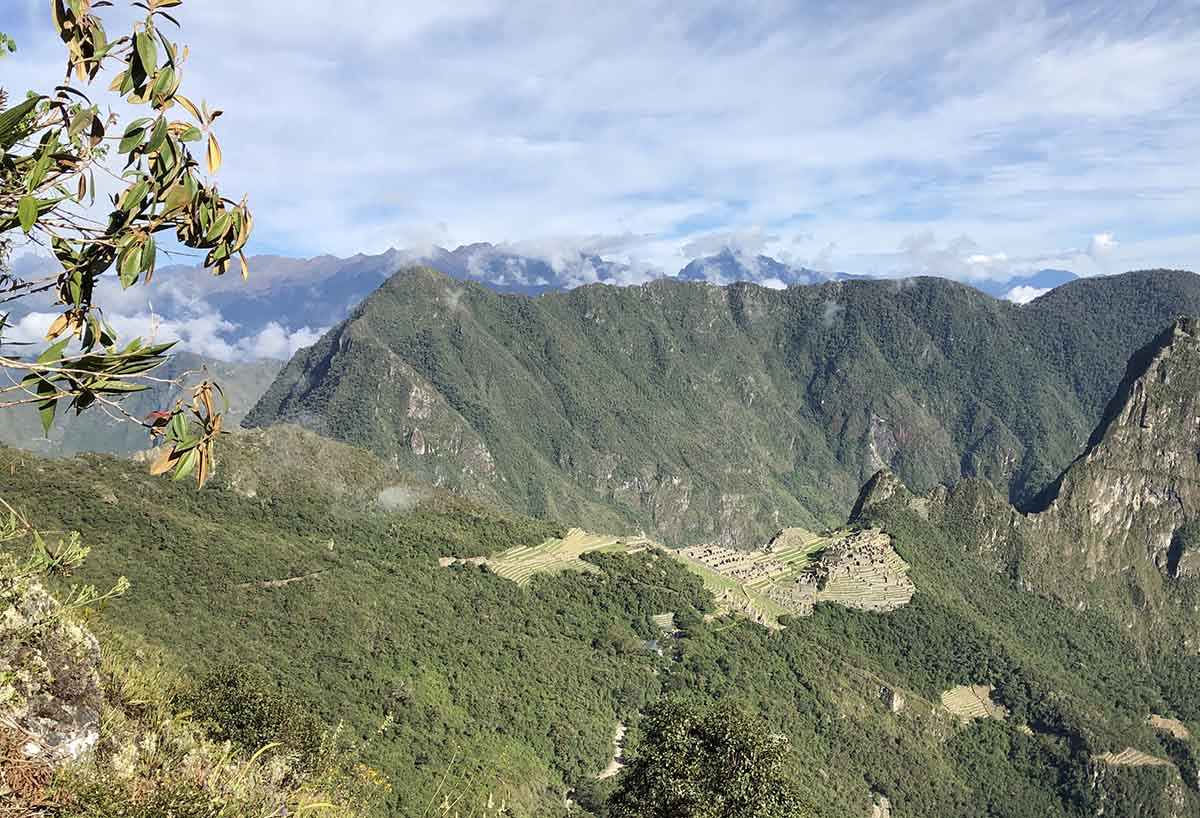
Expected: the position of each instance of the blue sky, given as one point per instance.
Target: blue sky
(960, 138)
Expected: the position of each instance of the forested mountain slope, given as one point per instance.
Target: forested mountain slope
(702, 413)
(1119, 530)
(318, 565)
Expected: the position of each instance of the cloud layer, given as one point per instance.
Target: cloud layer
(968, 138)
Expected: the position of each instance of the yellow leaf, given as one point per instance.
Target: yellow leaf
(245, 266)
(164, 463)
(203, 470)
(60, 324)
(214, 155)
(191, 106)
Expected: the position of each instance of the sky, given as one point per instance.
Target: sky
(974, 140)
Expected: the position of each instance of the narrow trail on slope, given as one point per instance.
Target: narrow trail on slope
(616, 764)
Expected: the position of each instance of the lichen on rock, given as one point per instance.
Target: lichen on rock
(50, 693)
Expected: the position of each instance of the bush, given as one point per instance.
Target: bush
(244, 706)
(706, 761)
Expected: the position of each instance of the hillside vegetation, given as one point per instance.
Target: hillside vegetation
(708, 414)
(315, 566)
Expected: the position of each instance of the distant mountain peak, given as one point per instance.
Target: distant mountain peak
(1025, 288)
(728, 267)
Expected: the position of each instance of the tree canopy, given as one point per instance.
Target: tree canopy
(706, 761)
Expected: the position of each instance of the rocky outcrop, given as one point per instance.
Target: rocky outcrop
(50, 694)
(1120, 528)
(1138, 482)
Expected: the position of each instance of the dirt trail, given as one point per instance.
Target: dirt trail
(282, 583)
(616, 764)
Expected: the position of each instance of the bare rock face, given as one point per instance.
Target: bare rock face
(1121, 527)
(50, 691)
(1139, 480)
(892, 699)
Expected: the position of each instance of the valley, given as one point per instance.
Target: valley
(923, 652)
(599, 410)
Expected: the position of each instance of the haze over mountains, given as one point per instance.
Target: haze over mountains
(287, 303)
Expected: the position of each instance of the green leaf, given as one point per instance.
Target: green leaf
(147, 51)
(27, 212)
(39, 171)
(80, 121)
(149, 257)
(135, 196)
(46, 389)
(187, 465)
(164, 83)
(46, 411)
(158, 135)
(10, 121)
(129, 265)
(133, 138)
(54, 353)
(219, 227)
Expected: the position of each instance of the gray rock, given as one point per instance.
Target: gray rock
(50, 690)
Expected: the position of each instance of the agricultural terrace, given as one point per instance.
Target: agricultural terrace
(521, 563)
(797, 569)
(1130, 757)
(970, 702)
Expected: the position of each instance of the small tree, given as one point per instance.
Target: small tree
(54, 148)
(705, 761)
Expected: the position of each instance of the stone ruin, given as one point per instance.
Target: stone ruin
(863, 571)
(860, 570)
(747, 567)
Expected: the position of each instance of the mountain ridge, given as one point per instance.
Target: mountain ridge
(1108, 531)
(706, 413)
(302, 296)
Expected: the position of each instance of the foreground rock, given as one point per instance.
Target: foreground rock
(50, 694)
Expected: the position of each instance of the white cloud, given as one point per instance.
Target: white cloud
(1024, 294)
(1021, 126)
(275, 341)
(961, 258)
(204, 333)
(1101, 246)
(773, 284)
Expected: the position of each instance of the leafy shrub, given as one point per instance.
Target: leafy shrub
(706, 761)
(243, 705)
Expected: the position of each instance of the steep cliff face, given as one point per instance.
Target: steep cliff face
(1138, 483)
(1118, 529)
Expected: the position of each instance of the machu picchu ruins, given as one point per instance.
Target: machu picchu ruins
(788, 576)
(797, 569)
